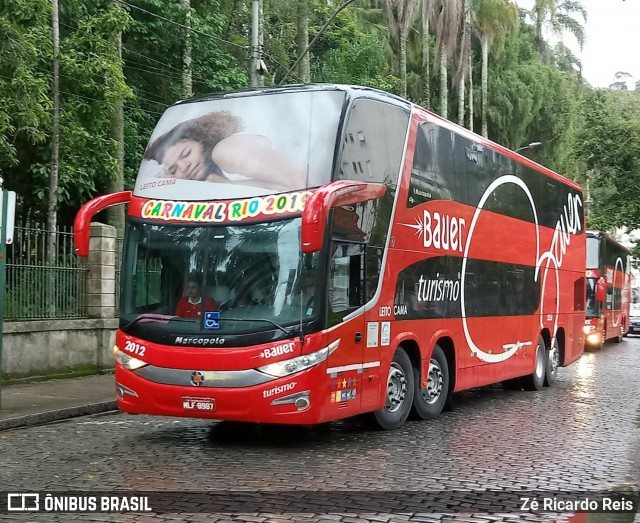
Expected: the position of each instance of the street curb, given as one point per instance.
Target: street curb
(57, 415)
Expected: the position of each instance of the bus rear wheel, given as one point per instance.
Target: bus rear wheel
(553, 362)
(535, 381)
(399, 397)
(620, 336)
(429, 402)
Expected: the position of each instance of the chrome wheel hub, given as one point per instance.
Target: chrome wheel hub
(435, 383)
(554, 360)
(396, 388)
(540, 363)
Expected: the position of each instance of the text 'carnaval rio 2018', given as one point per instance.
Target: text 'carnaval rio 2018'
(225, 211)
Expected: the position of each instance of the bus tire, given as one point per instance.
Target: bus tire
(429, 402)
(535, 381)
(553, 363)
(602, 338)
(399, 397)
(619, 337)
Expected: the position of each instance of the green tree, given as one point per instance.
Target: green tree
(610, 147)
(447, 16)
(494, 19)
(560, 16)
(400, 17)
(25, 105)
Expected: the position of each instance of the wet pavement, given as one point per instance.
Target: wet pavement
(472, 464)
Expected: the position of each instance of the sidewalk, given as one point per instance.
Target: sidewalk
(53, 400)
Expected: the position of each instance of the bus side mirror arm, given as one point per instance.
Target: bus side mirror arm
(327, 197)
(82, 223)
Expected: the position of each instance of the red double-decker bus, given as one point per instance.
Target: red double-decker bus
(304, 254)
(608, 290)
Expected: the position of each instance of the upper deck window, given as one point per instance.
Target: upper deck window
(373, 142)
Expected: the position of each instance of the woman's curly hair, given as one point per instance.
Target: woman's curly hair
(208, 129)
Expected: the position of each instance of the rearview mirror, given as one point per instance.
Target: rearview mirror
(82, 223)
(327, 197)
(601, 290)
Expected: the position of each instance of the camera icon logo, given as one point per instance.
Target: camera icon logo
(23, 502)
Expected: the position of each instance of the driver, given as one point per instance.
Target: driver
(190, 306)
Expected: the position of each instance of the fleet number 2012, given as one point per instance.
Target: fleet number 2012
(134, 348)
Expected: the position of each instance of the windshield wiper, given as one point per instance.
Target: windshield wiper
(287, 332)
(159, 318)
(162, 318)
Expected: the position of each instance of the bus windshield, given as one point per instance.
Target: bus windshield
(593, 253)
(592, 308)
(227, 279)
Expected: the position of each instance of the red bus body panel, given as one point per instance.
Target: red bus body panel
(612, 323)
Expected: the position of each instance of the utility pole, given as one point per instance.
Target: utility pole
(262, 68)
(3, 268)
(255, 42)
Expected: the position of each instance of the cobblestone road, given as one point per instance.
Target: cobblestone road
(581, 435)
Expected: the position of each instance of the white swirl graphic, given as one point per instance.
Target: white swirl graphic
(616, 322)
(568, 223)
(483, 354)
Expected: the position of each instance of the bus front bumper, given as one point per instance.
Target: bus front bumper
(293, 399)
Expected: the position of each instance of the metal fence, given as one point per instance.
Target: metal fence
(40, 289)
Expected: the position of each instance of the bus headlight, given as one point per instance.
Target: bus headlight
(593, 339)
(127, 361)
(588, 328)
(300, 363)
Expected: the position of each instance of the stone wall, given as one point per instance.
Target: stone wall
(62, 348)
(65, 348)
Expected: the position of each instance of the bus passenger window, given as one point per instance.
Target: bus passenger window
(346, 283)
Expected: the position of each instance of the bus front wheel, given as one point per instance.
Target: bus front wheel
(399, 396)
(429, 402)
(535, 381)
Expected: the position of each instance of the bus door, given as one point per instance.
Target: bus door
(346, 323)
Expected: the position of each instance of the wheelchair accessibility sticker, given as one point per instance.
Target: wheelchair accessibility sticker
(211, 320)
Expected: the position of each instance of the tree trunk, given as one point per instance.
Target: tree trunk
(403, 60)
(115, 213)
(462, 64)
(471, 91)
(538, 34)
(461, 87)
(304, 71)
(426, 73)
(470, 66)
(485, 84)
(187, 66)
(443, 81)
(52, 212)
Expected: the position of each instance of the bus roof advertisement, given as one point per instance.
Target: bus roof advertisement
(242, 146)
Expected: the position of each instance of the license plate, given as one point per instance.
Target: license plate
(201, 404)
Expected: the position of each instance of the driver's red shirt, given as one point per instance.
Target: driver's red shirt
(194, 310)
